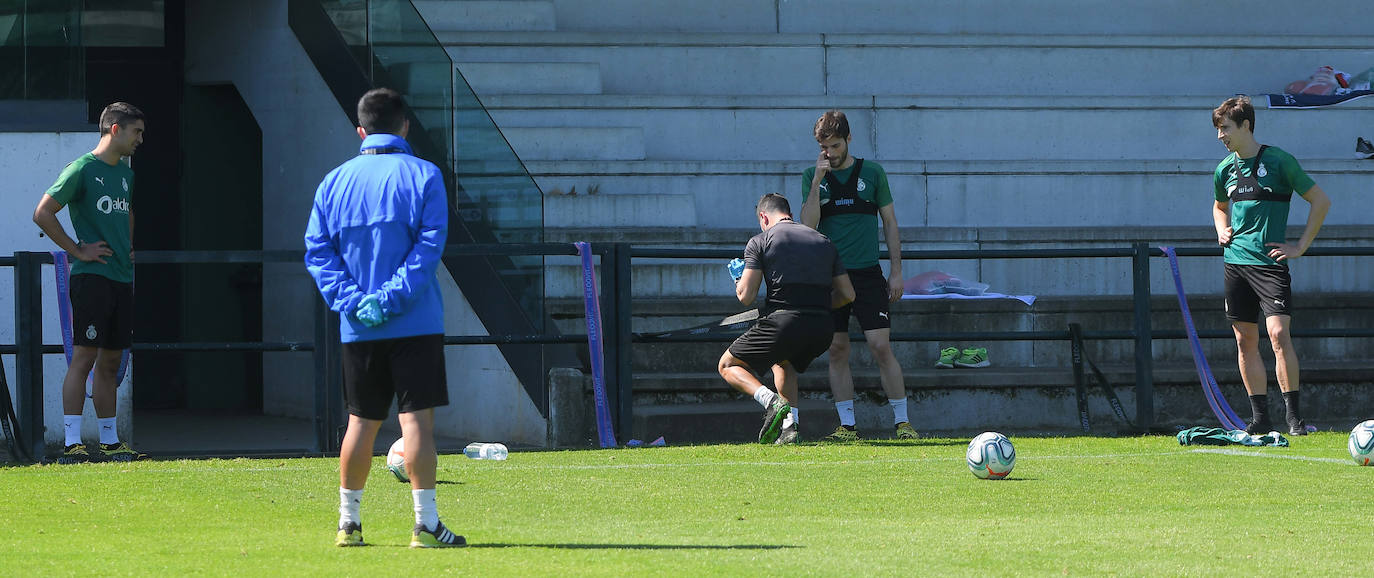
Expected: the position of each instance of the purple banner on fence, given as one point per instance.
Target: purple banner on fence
(604, 432)
(1223, 411)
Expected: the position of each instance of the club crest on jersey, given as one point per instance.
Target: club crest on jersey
(90, 332)
(1262, 171)
(862, 185)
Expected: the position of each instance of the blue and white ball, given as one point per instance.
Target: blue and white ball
(991, 456)
(396, 460)
(1362, 443)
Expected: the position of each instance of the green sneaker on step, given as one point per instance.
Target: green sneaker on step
(976, 357)
(947, 357)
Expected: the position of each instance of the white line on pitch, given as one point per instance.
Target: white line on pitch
(1275, 456)
(838, 463)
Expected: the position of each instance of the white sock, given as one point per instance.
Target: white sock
(764, 396)
(426, 510)
(791, 419)
(71, 425)
(349, 502)
(108, 432)
(898, 410)
(846, 411)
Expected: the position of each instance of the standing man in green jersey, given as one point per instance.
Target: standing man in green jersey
(1253, 186)
(844, 198)
(98, 188)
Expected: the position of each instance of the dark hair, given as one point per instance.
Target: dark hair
(119, 113)
(832, 124)
(382, 110)
(1238, 109)
(773, 203)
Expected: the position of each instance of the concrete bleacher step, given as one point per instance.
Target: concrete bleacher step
(1105, 65)
(487, 15)
(1095, 313)
(588, 210)
(1335, 17)
(701, 407)
(982, 193)
(908, 127)
(1041, 277)
(609, 143)
(532, 77)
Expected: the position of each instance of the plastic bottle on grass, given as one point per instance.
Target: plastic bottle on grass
(485, 451)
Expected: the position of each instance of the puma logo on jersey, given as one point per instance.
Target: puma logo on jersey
(883, 314)
(1278, 302)
(100, 180)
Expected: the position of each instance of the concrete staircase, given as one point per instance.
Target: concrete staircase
(1068, 123)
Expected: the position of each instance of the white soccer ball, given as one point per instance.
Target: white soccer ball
(1362, 443)
(396, 460)
(991, 456)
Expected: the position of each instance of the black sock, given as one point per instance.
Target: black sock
(1259, 408)
(850, 427)
(1290, 399)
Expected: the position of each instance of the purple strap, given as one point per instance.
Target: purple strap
(64, 314)
(593, 317)
(1220, 408)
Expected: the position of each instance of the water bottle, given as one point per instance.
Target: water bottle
(485, 451)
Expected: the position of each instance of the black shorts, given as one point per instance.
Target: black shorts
(870, 301)
(409, 369)
(1251, 289)
(797, 337)
(102, 311)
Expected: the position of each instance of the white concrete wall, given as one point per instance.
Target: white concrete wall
(305, 135)
(30, 163)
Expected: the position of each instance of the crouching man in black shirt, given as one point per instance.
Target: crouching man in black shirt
(806, 279)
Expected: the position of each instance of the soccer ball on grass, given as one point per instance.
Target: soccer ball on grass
(991, 456)
(1362, 443)
(396, 460)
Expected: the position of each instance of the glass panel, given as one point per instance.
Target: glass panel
(12, 49)
(408, 59)
(493, 185)
(492, 189)
(40, 50)
(350, 17)
(123, 23)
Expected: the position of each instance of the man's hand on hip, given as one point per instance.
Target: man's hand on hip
(92, 252)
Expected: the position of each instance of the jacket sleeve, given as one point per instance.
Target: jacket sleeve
(417, 272)
(322, 259)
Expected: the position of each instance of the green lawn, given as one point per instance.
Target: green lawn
(1073, 506)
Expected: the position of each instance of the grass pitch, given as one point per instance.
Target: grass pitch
(1072, 506)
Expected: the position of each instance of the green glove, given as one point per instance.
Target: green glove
(370, 311)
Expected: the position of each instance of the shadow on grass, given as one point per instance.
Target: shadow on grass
(911, 443)
(641, 546)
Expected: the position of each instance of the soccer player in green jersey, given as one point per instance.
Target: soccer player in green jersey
(98, 190)
(845, 198)
(1253, 186)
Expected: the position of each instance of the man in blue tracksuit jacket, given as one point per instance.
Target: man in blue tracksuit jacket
(376, 234)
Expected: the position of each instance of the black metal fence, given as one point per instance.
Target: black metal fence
(617, 311)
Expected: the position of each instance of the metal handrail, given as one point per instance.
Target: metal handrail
(617, 306)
